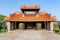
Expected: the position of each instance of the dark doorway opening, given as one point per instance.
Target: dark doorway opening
(30, 25)
(17, 25)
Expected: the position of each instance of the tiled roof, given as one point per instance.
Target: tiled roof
(42, 16)
(30, 7)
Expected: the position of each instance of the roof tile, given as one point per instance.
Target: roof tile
(19, 17)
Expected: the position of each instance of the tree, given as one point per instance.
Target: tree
(2, 24)
(1, 17)
(55, 26)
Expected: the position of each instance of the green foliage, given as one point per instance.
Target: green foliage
(59, 26)
(1, 24)
(56, 31)
(21, 25)
(39, 25)
(1, 17)
(1, 21)
(0, 31)
(55, 26)
(4, 26)
(3, 30)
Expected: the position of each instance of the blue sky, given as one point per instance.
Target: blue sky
(50, 6)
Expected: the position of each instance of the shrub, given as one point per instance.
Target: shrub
(39, 25)
(21, 25)
(0, 27)
(3, 30)
(56, 31)
(59, 26)
(55, 26)
(0, 31)
(2, 24)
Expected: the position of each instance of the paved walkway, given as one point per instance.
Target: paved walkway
(10, 35)
(38, 35)
(29, 35)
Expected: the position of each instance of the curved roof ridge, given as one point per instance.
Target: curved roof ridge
(30, 7)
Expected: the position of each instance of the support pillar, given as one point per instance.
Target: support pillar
(23, 26)
(8, 26)
(48, 26)
(51, 26)
(45, 24)
(12, 25)
(37, 26)
(15, 25)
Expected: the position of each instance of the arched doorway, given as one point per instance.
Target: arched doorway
(30, 25)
